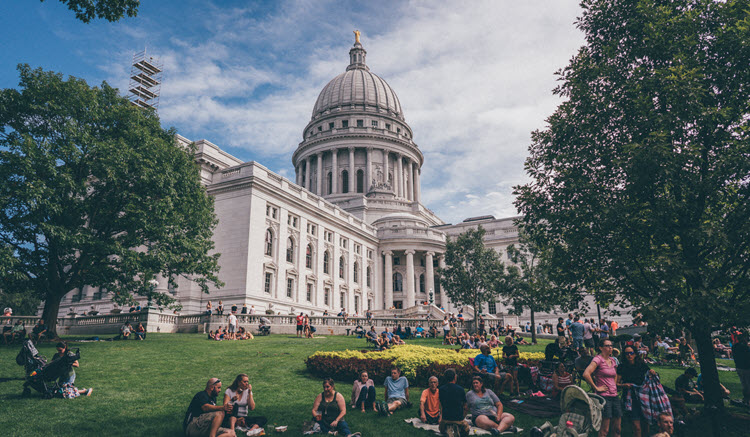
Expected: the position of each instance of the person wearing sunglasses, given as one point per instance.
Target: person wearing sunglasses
(203, 417)
(631, 374)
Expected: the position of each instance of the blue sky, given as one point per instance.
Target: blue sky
(474, 78)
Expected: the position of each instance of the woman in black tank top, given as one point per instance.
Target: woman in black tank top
(329, 410)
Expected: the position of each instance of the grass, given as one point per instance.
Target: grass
(143, 388)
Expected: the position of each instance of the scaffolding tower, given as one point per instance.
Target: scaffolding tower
(145, 81)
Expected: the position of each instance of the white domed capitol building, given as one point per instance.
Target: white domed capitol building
(349, 232)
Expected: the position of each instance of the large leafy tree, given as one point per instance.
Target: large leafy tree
(110, 10)
(530, 284)
(474, 273)
(94, 192)
(642, 176)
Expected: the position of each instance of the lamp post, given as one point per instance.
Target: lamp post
(153, 283)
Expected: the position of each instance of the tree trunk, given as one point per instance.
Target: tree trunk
(713, 402)
(49, 314)
(533, 328)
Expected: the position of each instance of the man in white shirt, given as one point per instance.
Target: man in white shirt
(232, 326)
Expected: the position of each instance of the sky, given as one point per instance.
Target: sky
(474, 78)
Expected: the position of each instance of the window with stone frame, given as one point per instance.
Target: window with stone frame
(343, 301)
(396, 261)
(369, 276)
(309, 292)
(344, 123)
(289, 287)
(356, 272)
(330, 126)
(421, 283)
(398, 282)
(268, 284)
(268, 251)
(309, 257)
(326, 263)
(342, 268)
(290, 250)
(327, 297)
(345, 181)
(360, 123)
(492, 308)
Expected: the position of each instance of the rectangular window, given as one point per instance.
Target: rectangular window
(360, 123)
(344, 123)
(398, 130)
(369, 254)
(309, 292)
(396, 261)
(320, 128)
(343, 300)
(327, 297)
(492, 308)
(344, 242)
(289, 287)
(330, 126)
(357, 249)
(269, 279)
(356, 304)
(374, 123)
(387, 126)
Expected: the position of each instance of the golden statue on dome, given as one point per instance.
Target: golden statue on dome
(356, 37)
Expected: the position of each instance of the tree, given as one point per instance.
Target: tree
(110, 10)
(529, 281)
(474, 273)
(642, 176)
(94, 192)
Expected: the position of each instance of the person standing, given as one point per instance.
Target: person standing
(560, 327)
(429, 403)
(452, 401)
(232, 326)
(300, 324)
(630, 376)
(601, 375)
(576, 331)
(741, 354)
(588, 336)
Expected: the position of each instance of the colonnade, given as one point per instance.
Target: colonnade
(410, 285)
(406, 172)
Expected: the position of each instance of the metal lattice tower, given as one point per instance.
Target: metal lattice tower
(145, 81)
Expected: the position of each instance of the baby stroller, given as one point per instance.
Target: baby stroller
(265, 326)
(43, 376)
(582, 413)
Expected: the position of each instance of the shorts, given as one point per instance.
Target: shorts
(201, 426)
(589, 342)
(635, 413)
(232, 328)
(432, 420)
(299, 328)
(492, 417)
(577, 343)
(612, 407)
(402, 400)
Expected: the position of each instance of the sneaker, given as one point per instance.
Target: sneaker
(512, 430)
(494, 431)
(89, 391)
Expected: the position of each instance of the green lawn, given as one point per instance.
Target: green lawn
(143, 388)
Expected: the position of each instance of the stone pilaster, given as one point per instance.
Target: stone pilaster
(352, 179)
(409, 280)
(388, 277)
(335, 171)
(319, 179)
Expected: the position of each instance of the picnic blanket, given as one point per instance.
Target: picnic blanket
(537, 407)
(417, 423)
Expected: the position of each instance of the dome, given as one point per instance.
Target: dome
(358, 89)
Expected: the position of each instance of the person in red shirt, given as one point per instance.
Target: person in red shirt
(429, 403)
(300, 324)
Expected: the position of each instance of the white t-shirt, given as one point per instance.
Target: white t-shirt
(587, 334)
(241, 403)
(233, 320)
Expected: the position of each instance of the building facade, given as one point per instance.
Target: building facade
(349, 232)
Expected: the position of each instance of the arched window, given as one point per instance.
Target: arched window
(326, 262)
(341, 267)
(356, 272)
(421, 283)
(360, 181)
(345, 181)
(398, 282)
(308, 257)
(290, 250)
(369, 277)
(269, 242)
(330, 182)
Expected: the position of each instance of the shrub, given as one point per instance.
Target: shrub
(417, 363)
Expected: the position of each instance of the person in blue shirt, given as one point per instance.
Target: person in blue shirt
(388, 334)
(396, 393)
(576, 331)
(486, 366)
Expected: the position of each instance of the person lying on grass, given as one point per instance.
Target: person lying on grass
(396, 393)
(203, 417)
(239, 396)
(329, 410)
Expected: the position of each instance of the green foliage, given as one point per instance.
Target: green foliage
(473, 274)
(94, 192)
(110, 10)
(642, 178)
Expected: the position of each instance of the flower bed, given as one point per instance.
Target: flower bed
(417, 363)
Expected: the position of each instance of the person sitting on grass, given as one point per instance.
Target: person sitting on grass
(666, 424)
(397, 340)
(485, 366)
(493, 342)
(372, 335)
(125, 331)
(363, 393)
(429, 403)
(203, 417)
(561, 378)
(511, 354)
(419, 332)
(329, 410)
(433, 331)
(452, 404)
(382, 342)
(396, 393)
(69, 376)
(520, 340)
(239, 396)
(140, 332)
(487, 410)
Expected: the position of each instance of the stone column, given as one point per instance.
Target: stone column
(409, 183)
(352, 179)
(388, 267)
(400, 180)
(429, 276)
(385, 169)
(320, 174)
(368, 171)
(296, 174)
(334, 171)
(308, 173)
(409, 279)
(444, 298)
(417, 187)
